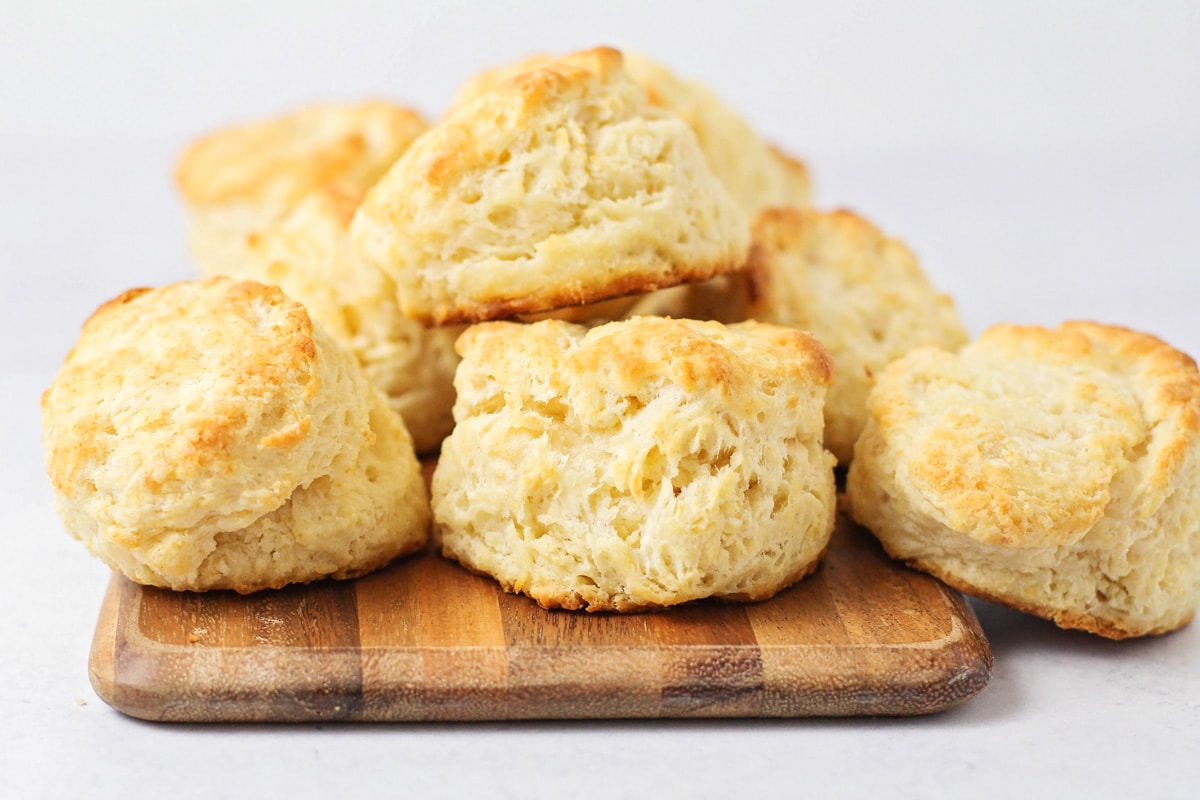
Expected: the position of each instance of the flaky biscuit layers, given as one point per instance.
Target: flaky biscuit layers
(240, 180)
(208, 436)
(756, 174)
(1055, 471)
(558, 187)
(309, 255)
(639, 464)
(861, 293)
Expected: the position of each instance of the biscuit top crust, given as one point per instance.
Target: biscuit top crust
(488, 79)
(559, 187)
(465, 142)
(283, 158)
(633, 357)
(195, 401)
(856, 251)
(1017, 440)
(755, 173)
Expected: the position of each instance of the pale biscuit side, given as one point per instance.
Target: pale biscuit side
(756, 174)
(309, 255)
(657, 461)
(370, 509)
(557, 188)
(188, 413)
(1051, 470)
(860, 292)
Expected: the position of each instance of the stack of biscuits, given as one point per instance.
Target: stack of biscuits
(610, 310)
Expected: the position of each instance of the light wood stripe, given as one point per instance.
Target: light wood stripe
(711, 663)
(425, 639)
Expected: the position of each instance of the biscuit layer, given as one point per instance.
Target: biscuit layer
(557, 188)
(207, 435)
(638, 464)
(1052, 470)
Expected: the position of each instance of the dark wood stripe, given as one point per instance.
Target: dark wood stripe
(424, 639)
(711, 664)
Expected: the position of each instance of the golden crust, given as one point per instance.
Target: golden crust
(137, 341)
(755, 173)
(860, 292)
(659, 461)
(1051, 470)
(559, 187)
(187, 416)
(309, 255)
(691, 354)
(242, 181)
(281, 159)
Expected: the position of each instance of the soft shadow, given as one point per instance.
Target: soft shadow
(1013, 633)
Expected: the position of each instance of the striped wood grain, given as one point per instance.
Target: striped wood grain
(426, 640)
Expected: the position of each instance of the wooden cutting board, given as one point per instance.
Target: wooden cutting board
(426, 640)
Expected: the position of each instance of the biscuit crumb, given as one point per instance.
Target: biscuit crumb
(560, 187)
(714, 482)
(1050, 470)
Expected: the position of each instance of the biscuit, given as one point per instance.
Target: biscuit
(309, 255)
(721, 299)
(1055, 471)
(239, 180)
(557, 188)
(638, 464)
(861, 293)
(207, 435)
(756, 174)
(724, 299)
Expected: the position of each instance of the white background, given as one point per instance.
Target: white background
(1042, 158)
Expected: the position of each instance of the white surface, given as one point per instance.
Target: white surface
(1042, 158)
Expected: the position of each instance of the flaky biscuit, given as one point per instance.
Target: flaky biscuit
(309, 255)
(638, 464)
(239, 180)
(860, 292)
(557, 188)
(724, 298)
(757, 175)
(207, 435)
(1055, 471)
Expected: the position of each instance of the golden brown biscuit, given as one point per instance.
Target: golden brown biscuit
(309, 255)
(559, 187)
(240, 180)
(861, 293)
(757, 175)
(1055, 471)
(208, 436)
(639, 464)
